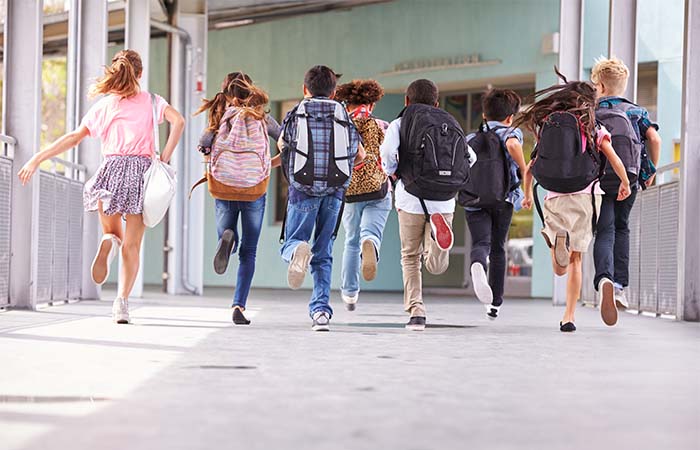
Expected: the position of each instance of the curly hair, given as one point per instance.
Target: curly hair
(359, 92)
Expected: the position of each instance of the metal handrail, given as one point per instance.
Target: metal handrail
(79, 167)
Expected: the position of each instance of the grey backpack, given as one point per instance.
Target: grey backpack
(624, 140)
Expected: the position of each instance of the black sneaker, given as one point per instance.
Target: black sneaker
(223, 252)
(416, 324)
(321, 321)
(238, 317)
(567, 327)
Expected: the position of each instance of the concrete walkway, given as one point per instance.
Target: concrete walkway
(182, 377)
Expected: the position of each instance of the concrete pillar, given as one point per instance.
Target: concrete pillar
(138, 37)
(571, 38)
(188, 75)
(22, 109)
(622, 39)
(92, 56)
(689, 241)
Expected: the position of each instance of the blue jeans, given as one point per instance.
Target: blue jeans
(251, 214)
(315, 216)
(611, 250)
(362, 221)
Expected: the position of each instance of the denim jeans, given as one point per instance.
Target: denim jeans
(317, 217)
(611, 250)
(489, 229)
(362, 221)
(251, 214)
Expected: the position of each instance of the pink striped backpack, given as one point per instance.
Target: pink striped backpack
(239, 166)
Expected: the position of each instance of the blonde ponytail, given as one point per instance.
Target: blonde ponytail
(121, 77)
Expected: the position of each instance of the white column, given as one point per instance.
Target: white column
(689, 241)
(188, 74)
(622, 39)
(92, 56)
(23, 38)
(138, 37)
(571, 38)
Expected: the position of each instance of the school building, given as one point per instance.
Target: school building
(454, 44)
(465, 46)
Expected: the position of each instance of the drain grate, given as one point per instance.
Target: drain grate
(218, 367)
(49, 399)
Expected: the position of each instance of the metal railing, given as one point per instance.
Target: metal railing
(8, 146)
(60, 232)
(653, 263)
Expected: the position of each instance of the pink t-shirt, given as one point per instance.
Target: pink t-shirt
(601, 135)
(124, 125)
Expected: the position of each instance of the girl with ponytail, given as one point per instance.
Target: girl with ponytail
(236, 148)
(120, 119)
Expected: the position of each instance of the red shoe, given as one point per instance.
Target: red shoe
(441, 231)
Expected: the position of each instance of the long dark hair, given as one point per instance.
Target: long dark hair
(576, 97)
(237, 90)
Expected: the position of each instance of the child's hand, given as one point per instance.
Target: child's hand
(624, 191)
(650, 181)
(26, 172)
(527, 201)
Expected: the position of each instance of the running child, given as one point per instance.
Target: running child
(638, 144)
(319, 145)
(237, 152)
(426, 150)
(368, 198)
(493, 194)
(116, 190)
(567, 163)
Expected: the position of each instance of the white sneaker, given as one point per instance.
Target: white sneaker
(606, 301)
(492, 311)
(299, 265)
(120, 311)
(621, 299)
(321, 321)
(481, 284)
(109, 246)
(350, 301)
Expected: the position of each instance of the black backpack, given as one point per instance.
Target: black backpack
(490, 178)
(559, 161)
(433, 156)
(624, 140)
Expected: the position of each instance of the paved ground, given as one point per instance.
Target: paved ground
(182, 377)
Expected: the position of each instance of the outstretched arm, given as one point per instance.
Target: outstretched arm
(527, 187)
(177, 124)
(60, 145)
(619, 168)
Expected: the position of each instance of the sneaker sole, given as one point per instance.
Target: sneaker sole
(320, 328)
(481, 288)
(608, 309)
(122, 321)
(415, 327)
(561, 253)
(369, 261)
(223, 252)
(441, 232)
(100, 268)
(350, 306)
(302, 257)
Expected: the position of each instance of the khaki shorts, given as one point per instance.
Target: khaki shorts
(572, 213)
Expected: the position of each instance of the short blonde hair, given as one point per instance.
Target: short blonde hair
(612, 73)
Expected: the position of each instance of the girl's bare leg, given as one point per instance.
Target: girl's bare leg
(111, 224)
(573, 286)
(131, 249)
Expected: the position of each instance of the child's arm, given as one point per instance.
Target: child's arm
(276, 161)
(653, 143)
(177, 125)
(619, 168)
(389, 150)
(60, 145)
(527, 187)
(515, 149)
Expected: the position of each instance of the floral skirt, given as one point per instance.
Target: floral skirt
(118, 184)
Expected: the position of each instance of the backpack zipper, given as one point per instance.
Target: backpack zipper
(432, 144)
